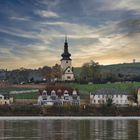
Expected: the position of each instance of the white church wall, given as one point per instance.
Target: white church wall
(68, 76)
(65, 64)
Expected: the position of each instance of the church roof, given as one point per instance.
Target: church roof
(66, 55)
(109, 91)
(59, 90)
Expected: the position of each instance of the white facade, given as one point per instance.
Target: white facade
(139, 96)
(5, 100)
(117, 98)
(65, 64)
(59, 99)
(68, 74)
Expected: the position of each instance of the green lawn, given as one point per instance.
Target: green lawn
(26, 96)
(31, 95)
(93, 87)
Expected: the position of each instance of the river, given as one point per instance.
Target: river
(70, 129)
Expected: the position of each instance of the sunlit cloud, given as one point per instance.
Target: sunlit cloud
(47, 14)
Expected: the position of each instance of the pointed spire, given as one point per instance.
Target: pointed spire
(66, 55)
(65, 38)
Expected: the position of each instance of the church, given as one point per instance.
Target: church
(66, 64)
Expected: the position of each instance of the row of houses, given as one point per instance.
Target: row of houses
(61, 95)
(99, 97)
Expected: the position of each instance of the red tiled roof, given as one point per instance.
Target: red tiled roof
(57, 88)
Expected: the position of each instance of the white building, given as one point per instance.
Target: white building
(5, 99)
(59, 97)
(138, 96)
(101, 96)
(66, 65)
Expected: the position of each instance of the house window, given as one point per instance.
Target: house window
(121, 96)
(68, 77)
(68, 70)
(98, 96)
(66, 98)
(66, 61)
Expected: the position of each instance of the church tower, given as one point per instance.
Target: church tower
(66, 67)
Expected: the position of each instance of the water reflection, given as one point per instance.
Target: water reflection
(71, 130)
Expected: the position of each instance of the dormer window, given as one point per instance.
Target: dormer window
(44, 92)
(53, 93)
(74, 92)
(65, 92)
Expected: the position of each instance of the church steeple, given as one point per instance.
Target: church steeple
(66, 55)
(66, 64)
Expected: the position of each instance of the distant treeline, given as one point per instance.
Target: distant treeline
(22, 75)
(89, 72)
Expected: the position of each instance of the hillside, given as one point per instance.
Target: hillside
(125, 68)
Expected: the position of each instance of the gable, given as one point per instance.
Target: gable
(68, 70)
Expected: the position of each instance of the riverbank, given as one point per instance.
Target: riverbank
(34, 118)
(31, 110)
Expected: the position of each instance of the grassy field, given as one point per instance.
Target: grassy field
(32, 95)
(26, 96)
(126, 87)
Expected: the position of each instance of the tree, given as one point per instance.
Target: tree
(90, 72)
(133, 91)
(56, 71)
(46, 72)
(109, 102)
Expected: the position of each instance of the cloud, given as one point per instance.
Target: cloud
(31, 56)
(95, 6)
(74, 30)
(18, 32)
(19, 18)
(121, 4)
(47, 14)
(118, 50)
(104, 44)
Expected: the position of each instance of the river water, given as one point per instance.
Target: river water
(70, 129)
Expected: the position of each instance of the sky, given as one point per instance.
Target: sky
(32, 32)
